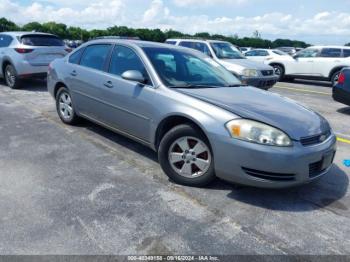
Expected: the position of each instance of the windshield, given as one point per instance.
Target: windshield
(178, 68)
(226, 51)
(41, 40)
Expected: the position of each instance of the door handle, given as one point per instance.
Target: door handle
(108, 84)
(337, 61)
(74, 73)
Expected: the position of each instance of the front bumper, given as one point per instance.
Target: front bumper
(271, 167)
(260, 82)
(341, 95)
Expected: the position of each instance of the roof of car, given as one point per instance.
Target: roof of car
(21, 33)
(197, 40)
(138, 43)
(330, 46)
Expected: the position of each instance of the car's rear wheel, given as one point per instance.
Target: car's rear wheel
(11, 77)
(186, 157)
(64, 107)
(279, 71)
(335, 78)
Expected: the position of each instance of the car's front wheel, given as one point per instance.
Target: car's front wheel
(186, 157)
(279, 71)
(64, 106)
(11, 78)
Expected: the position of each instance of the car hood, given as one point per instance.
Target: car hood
(240, 64)
(272, 109)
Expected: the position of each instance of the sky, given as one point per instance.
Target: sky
(313, 21)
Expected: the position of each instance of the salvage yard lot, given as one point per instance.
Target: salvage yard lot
(86, 190)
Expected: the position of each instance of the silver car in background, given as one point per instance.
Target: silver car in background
(26, 55)
(192, 111)
(249, 72)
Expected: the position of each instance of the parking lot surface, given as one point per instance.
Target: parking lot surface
(86, 190)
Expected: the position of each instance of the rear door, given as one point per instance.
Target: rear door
(5, 41)
(46, 48)
(87, 80)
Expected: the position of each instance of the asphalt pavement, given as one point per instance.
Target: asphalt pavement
(85, 190)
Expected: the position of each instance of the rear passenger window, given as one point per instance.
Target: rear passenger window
(125, 59)
(331, 52)
(75, 57)
(5, 40)
(95, 56)
(346, 52)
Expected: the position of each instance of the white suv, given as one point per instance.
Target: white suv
(249, 72)
(315, 63)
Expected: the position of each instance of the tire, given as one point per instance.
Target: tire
(279, 71)
(192, 164)
(335, 77)
(11, 78)
(65, 108)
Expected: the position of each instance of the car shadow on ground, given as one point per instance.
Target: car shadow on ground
(310, 82)
(317, 195)
(344, 110)
(33, 85)
(328, 191)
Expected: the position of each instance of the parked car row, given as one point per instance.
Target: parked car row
(188, 102)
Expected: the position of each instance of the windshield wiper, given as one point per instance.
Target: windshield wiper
(192, 86)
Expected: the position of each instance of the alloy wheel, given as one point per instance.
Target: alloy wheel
(189, 157)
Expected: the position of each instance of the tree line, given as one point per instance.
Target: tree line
(156, 35)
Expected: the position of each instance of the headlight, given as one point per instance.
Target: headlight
(257, 132)
(250, 73)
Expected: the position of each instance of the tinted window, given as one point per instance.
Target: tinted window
(226, 51)
(308, 53)
(5, 40)
(278, 52)
(95, 56)
(41, 40)
(75, 57)
(346, 52)
(125, 59)
(331, 52)
(197, 46)
(251, 53)
(171, 42)
(179, 69)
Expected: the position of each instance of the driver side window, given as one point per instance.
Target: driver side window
(125, 59)
(308, 53)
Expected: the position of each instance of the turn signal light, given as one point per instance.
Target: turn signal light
(341, 79)
(23, 50)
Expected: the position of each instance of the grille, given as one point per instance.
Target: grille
(268, 175)
(268, 83)
(313, 140)
(315, 169)
(267, 72)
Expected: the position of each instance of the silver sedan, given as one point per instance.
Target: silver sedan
(199, 118)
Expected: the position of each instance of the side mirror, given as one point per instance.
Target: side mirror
(134, 75)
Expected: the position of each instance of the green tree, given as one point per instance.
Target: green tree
(7, 25)
(33, 26)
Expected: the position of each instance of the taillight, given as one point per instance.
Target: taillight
(24, 50)
(341, 79)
